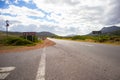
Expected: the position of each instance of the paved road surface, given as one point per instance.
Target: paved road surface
(67, 60)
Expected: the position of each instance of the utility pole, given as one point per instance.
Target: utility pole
(7, 25)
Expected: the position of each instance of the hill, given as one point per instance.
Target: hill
(12, 33)
(110, 29)
(46, 34)
(41, 34)
(117, 33)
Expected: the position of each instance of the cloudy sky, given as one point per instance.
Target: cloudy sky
(62, 17)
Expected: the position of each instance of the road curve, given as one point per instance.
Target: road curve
(67, 60)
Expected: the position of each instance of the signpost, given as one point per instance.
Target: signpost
(7, 25)
(29, 34)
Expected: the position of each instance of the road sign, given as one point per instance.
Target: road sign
(29, 33)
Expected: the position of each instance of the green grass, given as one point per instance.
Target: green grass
(12, 40)
(15, 41)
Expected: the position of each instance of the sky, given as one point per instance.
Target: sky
(62, 17)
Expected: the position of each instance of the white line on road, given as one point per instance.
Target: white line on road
(3, 75)
(89, 45)
(5, 71)
(41, 68)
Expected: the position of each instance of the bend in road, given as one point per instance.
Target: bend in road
(67, 60)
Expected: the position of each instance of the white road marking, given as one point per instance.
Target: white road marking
(41, 69)
(87, 45)
(3, 75)
(5, 71)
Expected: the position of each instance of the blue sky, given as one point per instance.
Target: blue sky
(62, 17)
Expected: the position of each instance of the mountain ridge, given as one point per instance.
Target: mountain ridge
(110, 29)
(40, 34)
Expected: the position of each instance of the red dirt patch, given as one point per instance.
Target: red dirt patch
(46, 43)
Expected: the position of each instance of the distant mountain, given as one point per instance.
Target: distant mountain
(113, 30)
(46, 34)
(41, 34)
(117, 33)
(12, 33)
(110, 29)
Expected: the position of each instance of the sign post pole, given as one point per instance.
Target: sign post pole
(7, 25)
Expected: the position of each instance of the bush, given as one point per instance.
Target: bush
(101, 38)
(16, 41)
(78, 38)
(115, 39)
(30, 38)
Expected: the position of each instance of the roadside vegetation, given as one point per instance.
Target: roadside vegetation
(105, 38)
(13, 41)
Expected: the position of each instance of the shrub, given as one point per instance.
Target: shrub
(78, 38)
(115, 39)
(30, 38)
(101, 38)
(16, 41)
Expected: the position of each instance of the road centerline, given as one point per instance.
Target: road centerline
(41, 68)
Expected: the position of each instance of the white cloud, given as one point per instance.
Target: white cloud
(84, 14)
(66, 16)
(7, 2)
(93, 3)
(16, 1)
(22, 11)
(27, 1)
(113, 12)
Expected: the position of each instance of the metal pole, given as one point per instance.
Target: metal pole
(7, 31)
(7, 24)
(32, 38)
(26, 37)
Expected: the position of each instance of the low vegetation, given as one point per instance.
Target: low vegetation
(17, 41)
(114, 39)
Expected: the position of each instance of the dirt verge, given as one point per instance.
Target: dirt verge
(46, 43)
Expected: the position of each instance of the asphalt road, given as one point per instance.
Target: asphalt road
(67, 60)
